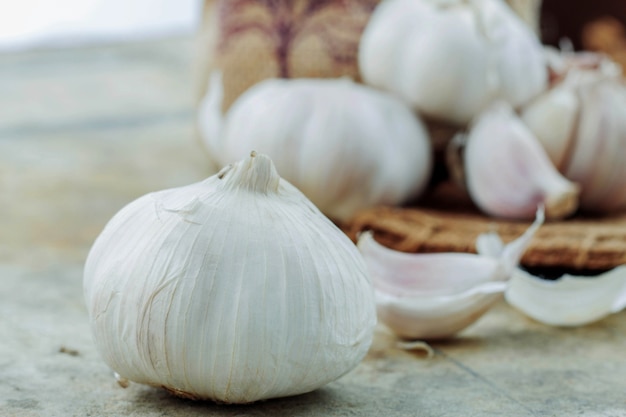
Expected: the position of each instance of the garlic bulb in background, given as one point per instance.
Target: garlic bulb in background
(507, 172)
(234, 289)
(436, 295)
(451, 58)
(581, 122)
(344, 145)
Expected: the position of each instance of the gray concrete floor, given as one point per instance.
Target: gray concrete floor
(83, 132)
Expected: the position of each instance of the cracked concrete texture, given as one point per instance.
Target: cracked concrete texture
(85, 131)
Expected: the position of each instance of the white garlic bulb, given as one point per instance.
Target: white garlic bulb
(507, 172)
(436, 295)
(581, 122)
(234, 289)
(344, 145)
(451, 58)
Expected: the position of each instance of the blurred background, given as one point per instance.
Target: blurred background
(38, 23)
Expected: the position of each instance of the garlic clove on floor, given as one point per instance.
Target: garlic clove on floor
(434, 296)
(570, 300)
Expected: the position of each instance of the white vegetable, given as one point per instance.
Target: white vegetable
(570, 300)
(451, 58)
(234, 289)
(344, 145)
(433, 296)
(581, 121)
(508, 173)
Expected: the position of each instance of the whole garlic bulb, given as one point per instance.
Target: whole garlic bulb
(581, 122)
(234, 289)
(344, 145)
(508, 173)
(451, 58)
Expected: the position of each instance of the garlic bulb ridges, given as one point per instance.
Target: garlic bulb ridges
(508, 174)
(344, 145)
(234, 289)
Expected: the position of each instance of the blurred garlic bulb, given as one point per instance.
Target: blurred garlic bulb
(436, 295)
(234, 289)
(344, 145)
(571, 300)
(581, 122)
(451, 58)
(508, 173)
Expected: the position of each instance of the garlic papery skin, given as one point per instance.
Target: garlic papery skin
(570, 300)
(581, 122)
(508, 173)
(451, 58)
(434, 296)
(345, 146)
(234, 289)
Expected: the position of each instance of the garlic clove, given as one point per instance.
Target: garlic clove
(570, 300)
(508, 173)
(598, 162)
(552, 118)
(432, 296)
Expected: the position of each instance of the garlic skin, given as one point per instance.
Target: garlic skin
(344, 145)
(234, 289)
(451, 58)
(508, 173)
(581, 122)
(571, 300)
(434, 296)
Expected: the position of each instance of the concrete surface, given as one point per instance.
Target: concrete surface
(83, 132)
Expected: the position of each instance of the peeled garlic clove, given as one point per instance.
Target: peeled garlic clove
(507, 172)
(344, 145)
(234, 289)
(570, 300)
(432, 296)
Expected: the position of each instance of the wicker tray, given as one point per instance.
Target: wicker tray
(447, 221)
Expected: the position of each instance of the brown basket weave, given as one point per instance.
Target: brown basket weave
(447, 221)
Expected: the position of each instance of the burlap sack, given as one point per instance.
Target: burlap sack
(251, 40)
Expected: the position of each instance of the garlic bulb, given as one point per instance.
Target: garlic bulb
(451, 58)
(508, 173)
(434, 296)
(234, 289)
(570, 300)
(344, 145)
(581, 122)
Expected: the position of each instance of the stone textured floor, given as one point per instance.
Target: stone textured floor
(83, 132)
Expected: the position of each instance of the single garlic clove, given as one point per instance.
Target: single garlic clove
(508, 173)
(598, 160)
(433, 296)
(552, 118)
(570, 300)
